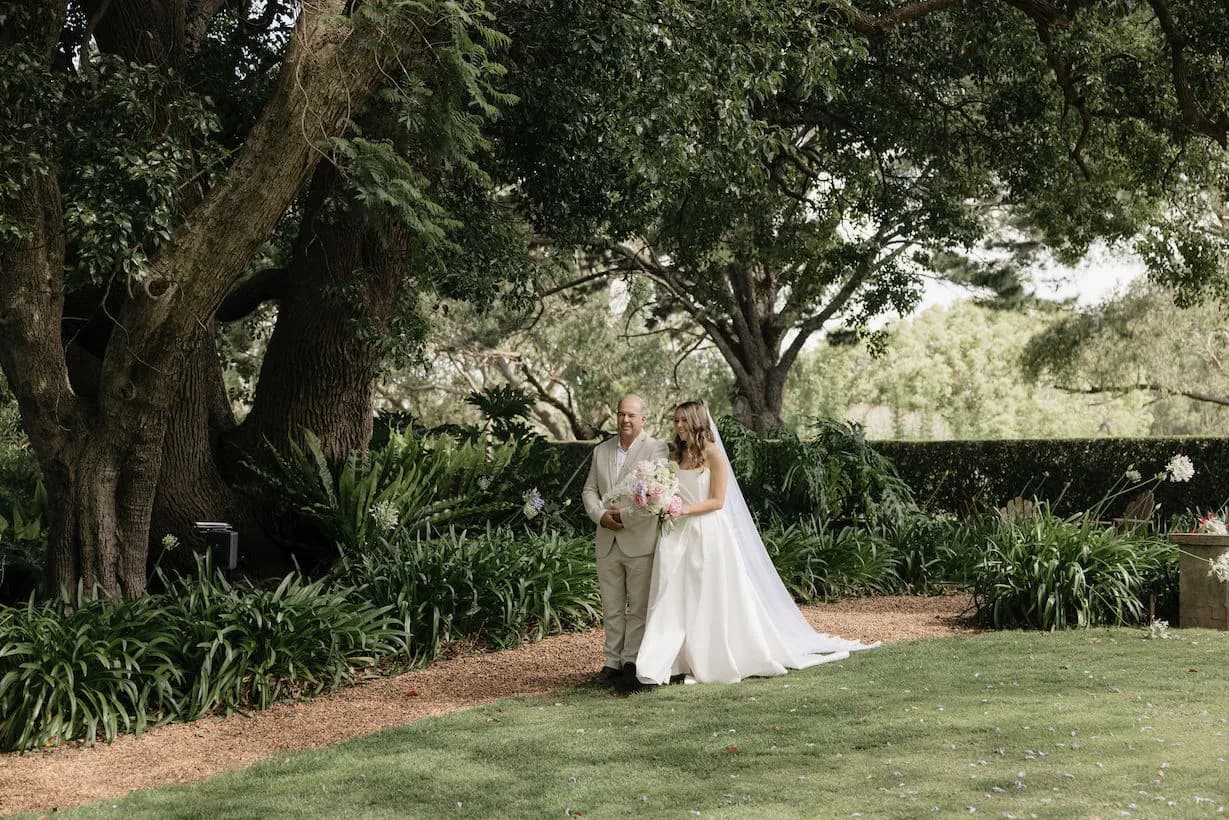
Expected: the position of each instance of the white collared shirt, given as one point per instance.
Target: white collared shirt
(621, 456)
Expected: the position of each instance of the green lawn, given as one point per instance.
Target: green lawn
(1099, 722)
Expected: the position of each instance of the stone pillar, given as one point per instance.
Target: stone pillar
(1203, 600)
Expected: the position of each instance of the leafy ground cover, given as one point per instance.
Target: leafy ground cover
(1089, 722)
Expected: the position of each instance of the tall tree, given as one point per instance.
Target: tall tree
(815, 164)
(136, 211)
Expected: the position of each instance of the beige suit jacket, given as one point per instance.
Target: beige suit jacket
(639, 533)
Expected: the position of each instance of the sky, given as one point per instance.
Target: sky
(1099, 275)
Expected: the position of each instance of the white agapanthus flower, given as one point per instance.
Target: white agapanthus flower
(385, 515)
(169, 542)
(1133, 475)
(1158, 630)
(1180, 468)
(1220, 568)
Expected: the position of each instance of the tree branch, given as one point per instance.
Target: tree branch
(863, 23)
(1072, 95)
(1193, 395)
(1041, 11)
(329, 71)
(1192, 114)
(251, 293)
(580, 430)
(722, 337)
(575, 283)
(808, 327)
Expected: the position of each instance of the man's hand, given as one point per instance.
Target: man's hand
(611, 520)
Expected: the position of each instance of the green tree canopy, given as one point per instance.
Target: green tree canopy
(953, 373)
(778, 169)
(1140, 342)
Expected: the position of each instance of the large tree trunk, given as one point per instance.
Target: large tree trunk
(320, 368)
(100, 499)
(759, 395)
(102, 452)
(319, 373)
(193, 486)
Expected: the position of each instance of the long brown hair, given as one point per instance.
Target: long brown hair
(701, 434)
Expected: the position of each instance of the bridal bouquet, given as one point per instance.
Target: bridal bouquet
(657, 488)
(652, 486)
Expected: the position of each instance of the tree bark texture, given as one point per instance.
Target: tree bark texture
(102, 451)
(321, 365)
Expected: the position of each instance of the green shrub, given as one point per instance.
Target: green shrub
(1072, 474)
(817, 563)
(242, 645)
(85, 670)
(23, 546)
(23, 536)
(933, 553)
(20, 487)
(497, 585)
(834, 477)
(1040, 571)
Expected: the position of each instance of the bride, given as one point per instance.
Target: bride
(718, 611)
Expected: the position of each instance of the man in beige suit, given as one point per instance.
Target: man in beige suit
(626, 539)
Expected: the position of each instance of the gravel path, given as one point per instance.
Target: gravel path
(185, 752)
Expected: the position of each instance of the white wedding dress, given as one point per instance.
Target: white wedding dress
(706, 617)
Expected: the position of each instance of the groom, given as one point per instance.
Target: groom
(626, 539)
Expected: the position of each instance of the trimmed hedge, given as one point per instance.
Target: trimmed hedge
(1073, 474)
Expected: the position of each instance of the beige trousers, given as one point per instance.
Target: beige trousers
(624, 582)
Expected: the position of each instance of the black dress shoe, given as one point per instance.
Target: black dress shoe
(609, 676)
(631, 683)
(681, 677)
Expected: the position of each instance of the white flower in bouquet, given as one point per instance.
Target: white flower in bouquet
(1133, 475)
(655, 488)
(1180, 468)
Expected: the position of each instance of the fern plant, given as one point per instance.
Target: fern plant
(414, 485)
(834, 476)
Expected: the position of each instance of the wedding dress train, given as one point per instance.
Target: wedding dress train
(706, 618)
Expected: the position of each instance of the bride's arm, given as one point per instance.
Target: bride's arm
(719, 477)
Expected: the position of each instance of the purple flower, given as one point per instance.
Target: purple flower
(533, 503)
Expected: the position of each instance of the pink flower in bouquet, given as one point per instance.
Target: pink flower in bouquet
(657, 489)
(675, 508)
(640, 495)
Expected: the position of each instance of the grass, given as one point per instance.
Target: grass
(1095, 722)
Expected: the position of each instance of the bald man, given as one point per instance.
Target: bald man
(626, 540)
